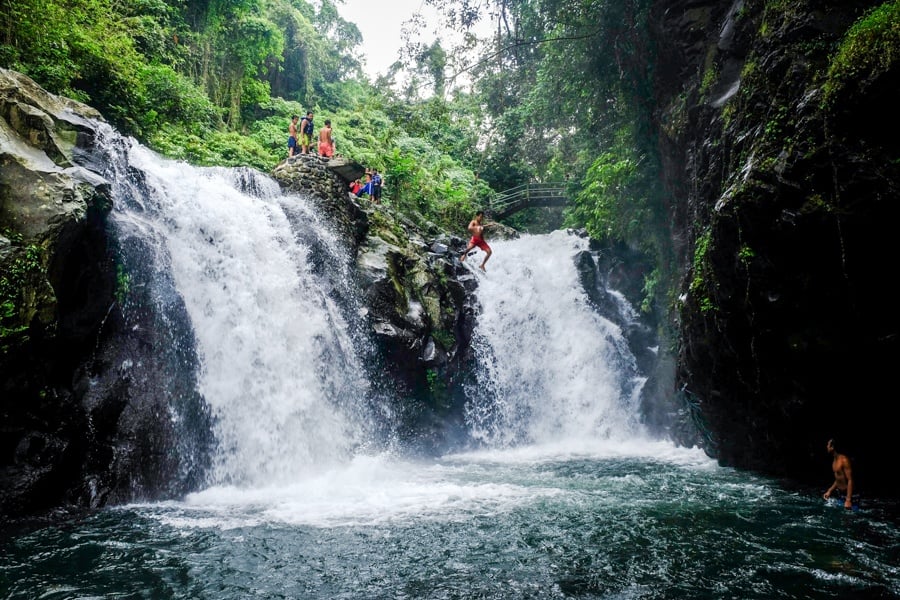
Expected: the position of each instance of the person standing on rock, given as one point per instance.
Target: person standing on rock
(476, 228)
(326, 140)
(306, 133)
(292, 136)
(376, 186)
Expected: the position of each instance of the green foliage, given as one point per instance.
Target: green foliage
(444, 338)
(699, 282)
(170, 97)
(651, 284)
(34, 40)
(123, 284)
(433, 379)
(214, 148)
(709, 78)
(22, 266)
(618, 199)
(604, 196)
(215, 83)
(870, 47)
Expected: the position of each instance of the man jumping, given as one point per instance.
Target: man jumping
(477, 230)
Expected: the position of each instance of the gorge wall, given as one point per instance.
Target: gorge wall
(778, 132)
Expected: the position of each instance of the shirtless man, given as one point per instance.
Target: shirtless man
(477, 230)
(843, 476)
(292, 136)
(326, 141)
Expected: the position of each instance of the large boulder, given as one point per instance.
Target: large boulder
(54, 291)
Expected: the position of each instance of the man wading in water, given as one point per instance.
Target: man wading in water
(843, 476)
(477, 230)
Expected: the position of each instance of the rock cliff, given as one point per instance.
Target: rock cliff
(416, 296)
(779, 135)
(79, 425)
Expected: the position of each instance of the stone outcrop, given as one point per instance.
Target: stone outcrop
(415, 294)
(53, 293)
(785, 178)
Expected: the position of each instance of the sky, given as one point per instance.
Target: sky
(380, 22)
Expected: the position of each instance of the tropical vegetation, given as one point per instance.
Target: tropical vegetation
(560, 92)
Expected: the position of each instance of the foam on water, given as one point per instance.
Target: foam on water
(556, 381)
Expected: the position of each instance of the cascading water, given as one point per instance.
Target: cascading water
(277, 365)
(552, 370)
(565, 496)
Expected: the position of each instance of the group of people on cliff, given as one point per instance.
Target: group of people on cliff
(300, 137)
(300, 140)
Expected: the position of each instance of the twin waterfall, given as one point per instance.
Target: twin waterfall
(281, 365)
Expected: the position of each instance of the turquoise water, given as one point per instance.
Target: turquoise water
(649, 521)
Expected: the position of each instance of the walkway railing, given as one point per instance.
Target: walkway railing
(528, 194)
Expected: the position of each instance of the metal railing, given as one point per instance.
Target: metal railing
(528, 194)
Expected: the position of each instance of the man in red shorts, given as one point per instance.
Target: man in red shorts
(477, 230)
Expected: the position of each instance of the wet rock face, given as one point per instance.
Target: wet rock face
(53, 292)
(415, 298)
(84, 417)
(788, 197)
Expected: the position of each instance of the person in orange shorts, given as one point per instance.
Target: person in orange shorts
(326, 140)
(476, 228)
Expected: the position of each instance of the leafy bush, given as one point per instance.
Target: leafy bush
(870, 47)
(215, 148)
(173, 98)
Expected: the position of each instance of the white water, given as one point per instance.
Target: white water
(556, 382)
(565, 497)
(277, 367)
(553, 370)
(561, 386)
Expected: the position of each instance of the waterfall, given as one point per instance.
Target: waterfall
(551, 370)
(277, 364)
(258, 294)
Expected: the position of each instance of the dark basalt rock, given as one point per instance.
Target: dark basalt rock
(786, 205)
(86, 390)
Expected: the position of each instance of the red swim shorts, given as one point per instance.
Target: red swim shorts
(477, 241)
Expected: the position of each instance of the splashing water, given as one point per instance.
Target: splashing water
(552, 371)
(565, 498)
